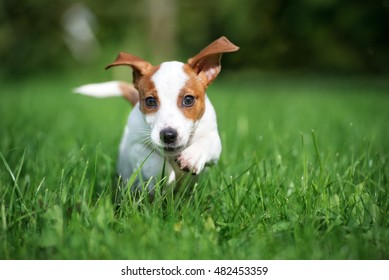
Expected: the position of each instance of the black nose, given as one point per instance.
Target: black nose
(168, 135)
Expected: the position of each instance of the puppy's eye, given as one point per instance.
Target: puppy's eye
(151, 102)
(188, 101)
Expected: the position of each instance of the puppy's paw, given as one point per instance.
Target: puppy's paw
(192, 159)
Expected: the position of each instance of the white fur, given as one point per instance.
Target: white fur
(100, 90)
(168, 81)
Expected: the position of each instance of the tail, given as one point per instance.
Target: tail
(109, 89)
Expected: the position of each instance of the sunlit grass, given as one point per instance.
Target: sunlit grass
(303, 175)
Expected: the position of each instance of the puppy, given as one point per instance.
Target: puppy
(172, 130)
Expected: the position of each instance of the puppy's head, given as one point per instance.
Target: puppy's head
(172, 94)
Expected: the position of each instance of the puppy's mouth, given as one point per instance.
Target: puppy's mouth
(172, 149)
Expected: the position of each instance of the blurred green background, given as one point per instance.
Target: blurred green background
(279, 35)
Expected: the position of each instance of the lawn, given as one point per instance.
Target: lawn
(303, 174)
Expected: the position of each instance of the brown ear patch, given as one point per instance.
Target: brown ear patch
(129, 92)
(134, 61)
(207, 62)
(217, 47)
(139, 66)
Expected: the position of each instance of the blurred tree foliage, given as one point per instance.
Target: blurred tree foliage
(328, 35)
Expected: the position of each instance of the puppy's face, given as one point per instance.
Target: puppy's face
(172, 95)
(172, 99)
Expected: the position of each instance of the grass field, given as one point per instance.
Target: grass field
(303, 174)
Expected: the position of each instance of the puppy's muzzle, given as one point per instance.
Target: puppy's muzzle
(168, 136)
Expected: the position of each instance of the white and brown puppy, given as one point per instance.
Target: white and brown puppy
(173, 124)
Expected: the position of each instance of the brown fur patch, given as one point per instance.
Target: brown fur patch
(129, 93)
(146, 88)
(196, 88)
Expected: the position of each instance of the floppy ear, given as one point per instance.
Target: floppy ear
(207, 62)
(140, 67)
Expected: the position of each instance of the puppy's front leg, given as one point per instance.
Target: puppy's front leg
(202, 151)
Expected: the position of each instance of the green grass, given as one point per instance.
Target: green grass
(303, 175)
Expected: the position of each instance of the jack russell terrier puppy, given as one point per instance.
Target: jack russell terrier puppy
(172, 129)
